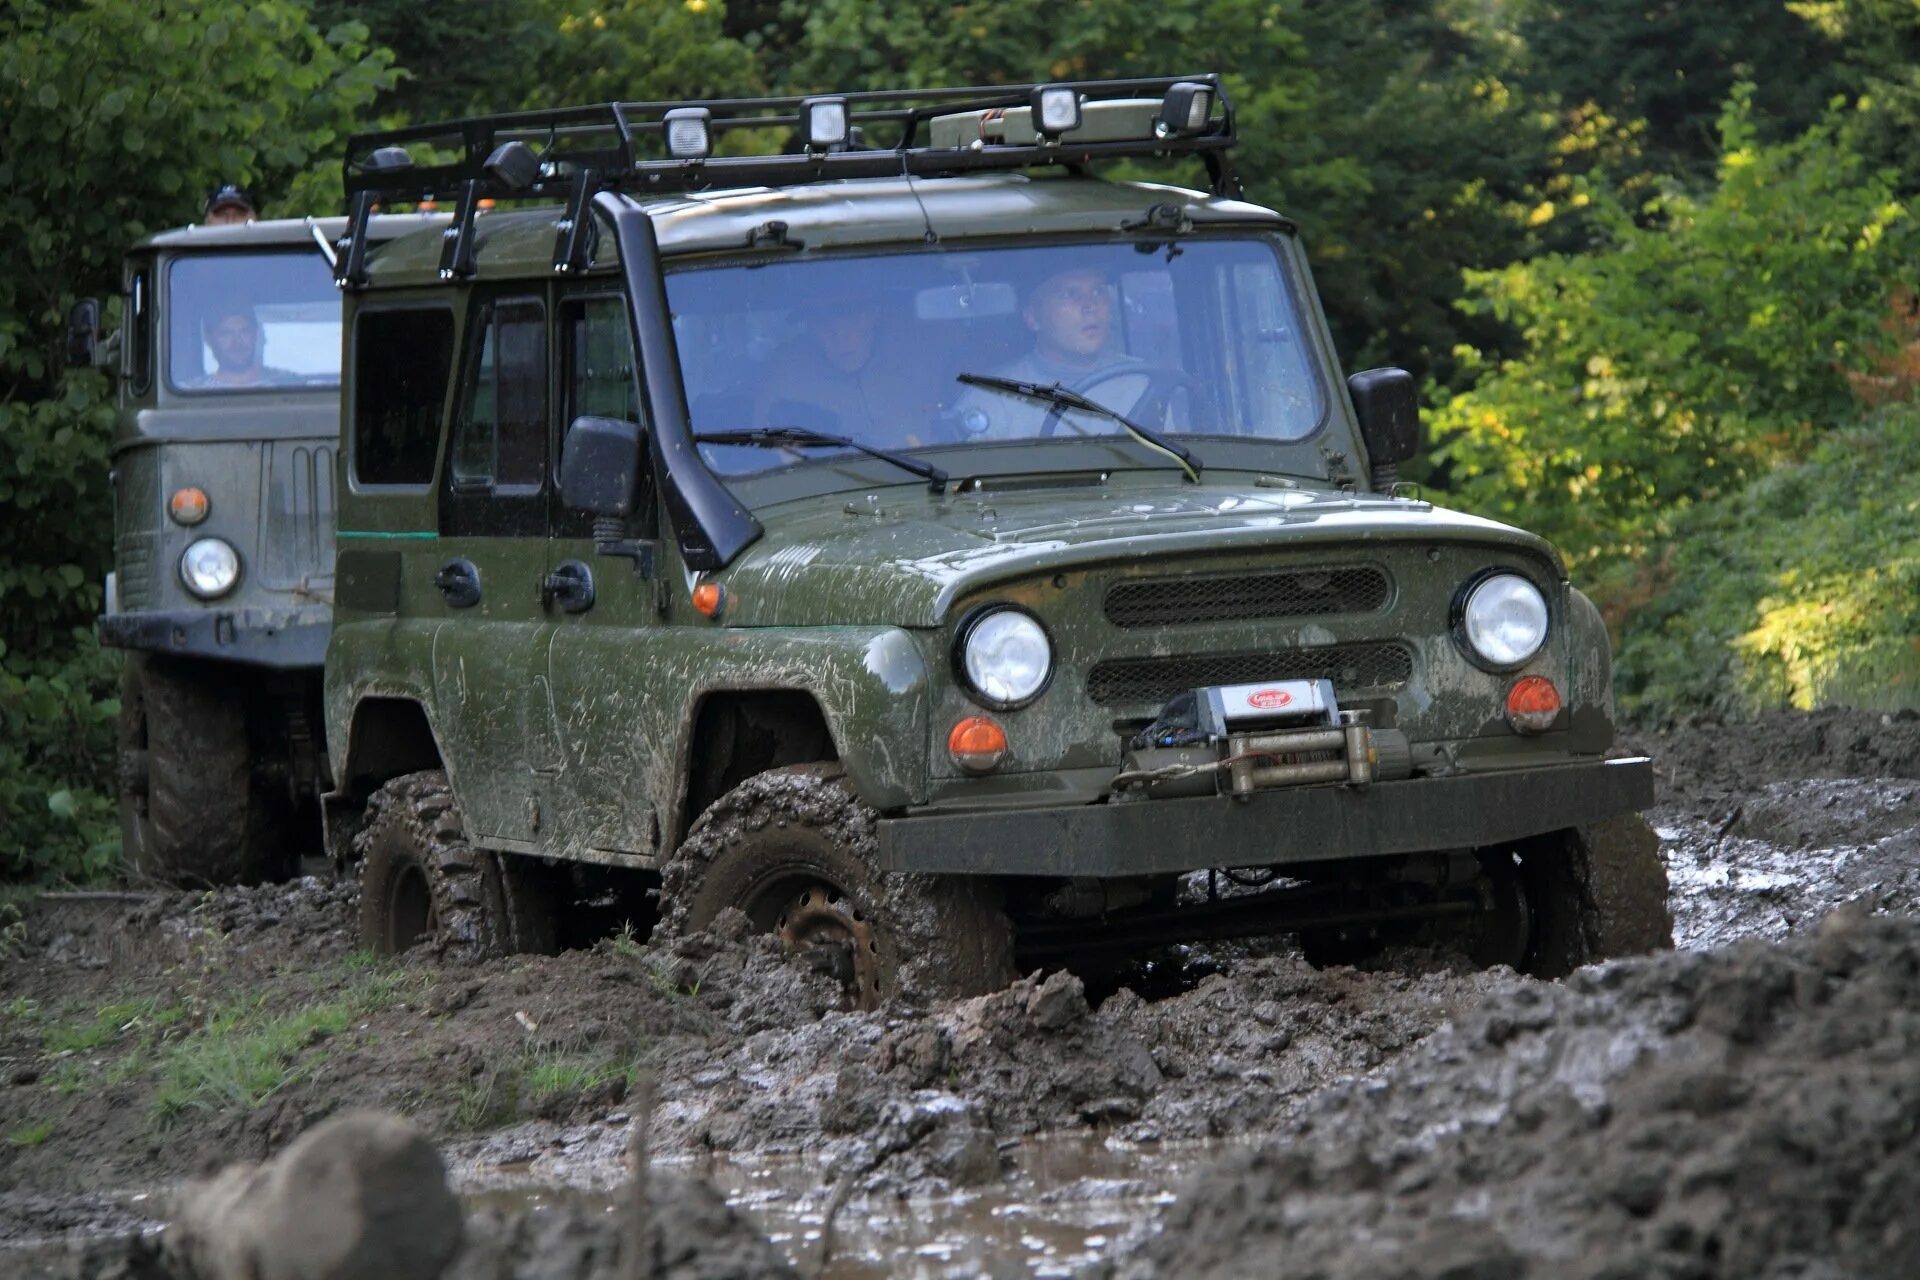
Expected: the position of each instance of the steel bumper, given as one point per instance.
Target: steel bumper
(255, 637)
(1270, 828)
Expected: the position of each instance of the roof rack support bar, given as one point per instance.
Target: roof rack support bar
(456, 251)
(570, 246)
(350, 254)
(709, 524)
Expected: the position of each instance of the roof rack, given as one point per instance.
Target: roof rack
(575, 152)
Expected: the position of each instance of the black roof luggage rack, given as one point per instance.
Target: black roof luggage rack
(646, 148)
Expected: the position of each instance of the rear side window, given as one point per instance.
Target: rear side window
(402, 360)
(500, 441)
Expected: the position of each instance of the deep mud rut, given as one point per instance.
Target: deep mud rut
(1416, 1119)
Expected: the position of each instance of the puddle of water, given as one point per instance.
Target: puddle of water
(1064, 1201)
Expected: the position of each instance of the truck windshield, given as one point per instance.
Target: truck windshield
(1195, 338)
(254, 321)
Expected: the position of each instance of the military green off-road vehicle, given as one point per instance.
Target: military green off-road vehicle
(228, 358)
(945, 557)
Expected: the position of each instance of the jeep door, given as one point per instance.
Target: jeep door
(606, 689)
(489, 659)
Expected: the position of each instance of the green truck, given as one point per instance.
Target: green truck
(947, 558)
(228, 363)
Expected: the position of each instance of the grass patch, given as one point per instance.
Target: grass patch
(246, 1053)
(30, 1135)
(108, 1024)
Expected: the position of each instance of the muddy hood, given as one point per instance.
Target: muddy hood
(903, 559)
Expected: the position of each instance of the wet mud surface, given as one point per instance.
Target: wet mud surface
(1414, 1119)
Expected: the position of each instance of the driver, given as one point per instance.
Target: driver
(841, 373)
(232, 334)
(1070, 314)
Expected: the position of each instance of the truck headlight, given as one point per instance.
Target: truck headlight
(210, 567)
(1004, 657)
(1504, 620)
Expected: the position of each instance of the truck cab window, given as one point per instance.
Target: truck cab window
(402, 360)
(500, 442)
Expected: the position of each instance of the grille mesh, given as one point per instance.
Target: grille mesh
(1296, 593)
(1154, 680)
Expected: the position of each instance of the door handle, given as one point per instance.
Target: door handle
(459, 582)
(569, 585)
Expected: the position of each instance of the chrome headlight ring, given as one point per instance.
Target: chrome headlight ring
(1003, 656)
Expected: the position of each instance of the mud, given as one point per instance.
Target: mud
(1767, 828)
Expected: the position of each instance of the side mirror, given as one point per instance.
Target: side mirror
(83, 332)
(600, 465)
(1389, 411)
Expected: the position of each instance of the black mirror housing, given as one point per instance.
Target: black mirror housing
(1388, 407)
(83, 333)
(600, 465)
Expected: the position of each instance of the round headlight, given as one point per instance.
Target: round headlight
(210, 567)
(1005, 657)
(1505, 620)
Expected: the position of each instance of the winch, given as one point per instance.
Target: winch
(1242, 738)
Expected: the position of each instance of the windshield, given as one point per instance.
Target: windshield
(1200, 338)
(245, 322)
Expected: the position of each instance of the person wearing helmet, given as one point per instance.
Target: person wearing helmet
(228, 204)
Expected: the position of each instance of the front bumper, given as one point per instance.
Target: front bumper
(1272, 828)
(282, 639)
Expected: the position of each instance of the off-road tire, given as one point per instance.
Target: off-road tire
(1599, 893)
(421, 881)
(190, 813)
(930, 937)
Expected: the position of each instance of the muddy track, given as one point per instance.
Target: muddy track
(526, 1063)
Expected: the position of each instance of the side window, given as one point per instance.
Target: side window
(137, 325)
(500, 441)
(600, 380)
(402, 361)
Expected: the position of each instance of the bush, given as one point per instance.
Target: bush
(1801, 591)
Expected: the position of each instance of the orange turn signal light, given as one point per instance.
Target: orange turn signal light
(977, 744)
(709, 598)
(188, 506)
(1532, 704)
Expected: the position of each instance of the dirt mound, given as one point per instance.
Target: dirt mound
(1747, 1113)
(1699, 767)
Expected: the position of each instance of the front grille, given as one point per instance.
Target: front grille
(133, 572)
(1293, 594)
(1375, 665)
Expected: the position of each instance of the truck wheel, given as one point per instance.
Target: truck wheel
(189, 814)
(793, 849)
(1599, 892)
(421, 881)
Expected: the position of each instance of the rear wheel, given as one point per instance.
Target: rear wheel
(793, 849)
(421, 882)
(190, 813)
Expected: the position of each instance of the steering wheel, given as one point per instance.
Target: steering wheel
(1150, 407)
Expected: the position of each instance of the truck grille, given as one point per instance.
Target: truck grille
(1296, 593)
(133, 571)
(1153, 680)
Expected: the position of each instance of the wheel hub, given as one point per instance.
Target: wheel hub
(825, 927)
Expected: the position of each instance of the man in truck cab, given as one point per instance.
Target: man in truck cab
(232, 334)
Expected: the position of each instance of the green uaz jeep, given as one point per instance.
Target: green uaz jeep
(228, 358)
(943, 556)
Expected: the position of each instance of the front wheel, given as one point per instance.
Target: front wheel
(421, 882)
(793, 849)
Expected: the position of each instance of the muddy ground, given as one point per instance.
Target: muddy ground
(1745, 1107)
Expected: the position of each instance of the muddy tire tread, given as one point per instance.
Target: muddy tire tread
(949, 937)
(201, 826)
(487, 904)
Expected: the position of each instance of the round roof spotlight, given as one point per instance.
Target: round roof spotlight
(1503, 621)
(209, 568)
(1004, 657)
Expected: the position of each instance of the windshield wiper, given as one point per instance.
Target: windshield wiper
(936, 478)
(1062, 398)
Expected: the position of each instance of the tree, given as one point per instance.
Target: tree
(115, 117)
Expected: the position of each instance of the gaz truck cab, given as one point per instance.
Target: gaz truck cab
(945, 556)
(228, 358)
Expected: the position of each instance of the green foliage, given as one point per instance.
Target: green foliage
(115, 117)
(1688, 357)
(1801, 591)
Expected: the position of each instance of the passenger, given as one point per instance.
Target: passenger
(840, 374)
(227, 205)
(233, 335)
